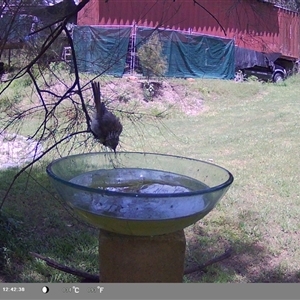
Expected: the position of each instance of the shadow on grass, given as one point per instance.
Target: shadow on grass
(250, 261)
(34, 219)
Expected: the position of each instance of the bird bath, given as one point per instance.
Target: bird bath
(143, 199)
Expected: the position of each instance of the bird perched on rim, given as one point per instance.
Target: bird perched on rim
(105, 126)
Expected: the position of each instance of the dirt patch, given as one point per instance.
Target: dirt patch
(158, 95)
(15, 150)
(161, 94)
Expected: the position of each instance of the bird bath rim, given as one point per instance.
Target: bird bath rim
(221, 186)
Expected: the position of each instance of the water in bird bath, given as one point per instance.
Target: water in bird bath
(139, 194)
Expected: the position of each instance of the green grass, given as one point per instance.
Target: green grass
(251, 128)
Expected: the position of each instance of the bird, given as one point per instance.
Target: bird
(105, 126)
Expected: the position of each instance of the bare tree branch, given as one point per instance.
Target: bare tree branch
(197, 3)
(34, 161)
(71, 103)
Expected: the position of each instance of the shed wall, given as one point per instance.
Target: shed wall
(253, 24)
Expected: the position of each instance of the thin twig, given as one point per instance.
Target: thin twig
(88, 119)
(95, 278)
(34, 161)
(66, 269)
(225, 255)
(223, 29)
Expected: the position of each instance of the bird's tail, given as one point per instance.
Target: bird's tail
(97, 96)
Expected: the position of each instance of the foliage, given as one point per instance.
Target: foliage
(151, 58)
(262, 204)
(250, 128)
(30, 26)
(288, 4)
(149, 90)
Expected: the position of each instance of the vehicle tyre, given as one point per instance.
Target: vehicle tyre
(278, 77)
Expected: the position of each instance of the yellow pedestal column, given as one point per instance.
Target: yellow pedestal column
(125, 258)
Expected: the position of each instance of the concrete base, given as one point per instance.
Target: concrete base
(125, 258)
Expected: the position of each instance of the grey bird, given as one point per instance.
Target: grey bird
(105, 126)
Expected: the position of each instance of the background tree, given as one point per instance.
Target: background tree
(151, 57)
(288, 4)
(54, 128)
(64, 112)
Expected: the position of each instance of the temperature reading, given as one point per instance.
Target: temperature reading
(73, 289)
(98, 289)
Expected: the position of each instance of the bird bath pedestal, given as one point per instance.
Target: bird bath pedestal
(128, 258)
(141, 202)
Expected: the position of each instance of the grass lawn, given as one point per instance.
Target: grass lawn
(250, 128)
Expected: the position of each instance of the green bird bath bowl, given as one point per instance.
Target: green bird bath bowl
(139, 194)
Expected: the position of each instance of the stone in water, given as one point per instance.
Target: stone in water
(139, 194)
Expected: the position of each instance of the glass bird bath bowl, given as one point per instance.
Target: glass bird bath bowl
(139, 194)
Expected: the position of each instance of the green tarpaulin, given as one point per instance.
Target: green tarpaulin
(194, 55)
(101, 50)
